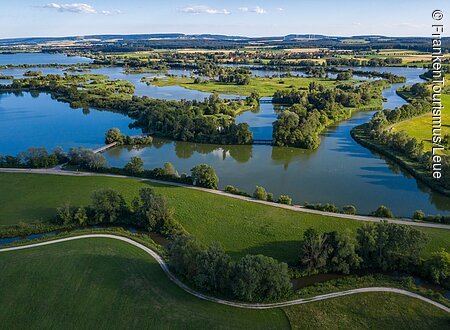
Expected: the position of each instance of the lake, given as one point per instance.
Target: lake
(340, 171)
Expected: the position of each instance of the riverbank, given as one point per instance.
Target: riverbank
(361, 136)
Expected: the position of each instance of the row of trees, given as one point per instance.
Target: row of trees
(34, 158)
(149, 211)
(254, 278)
(339, 61)
(380, 247)
(400, 142)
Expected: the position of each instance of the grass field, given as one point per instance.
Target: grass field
(367, 311)
(264, 86)
(240, 226)
(109, 284)
(420, 127)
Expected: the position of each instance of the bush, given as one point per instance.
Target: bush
(349, 209)
(382, 212)
(418, 215)
(284, 199)
(260, 193)
(325, 207)
(204, 176)
(235, 191)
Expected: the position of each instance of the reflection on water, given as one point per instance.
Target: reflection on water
(340, 171)
(36, 120)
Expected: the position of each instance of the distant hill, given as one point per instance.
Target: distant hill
(127, 42)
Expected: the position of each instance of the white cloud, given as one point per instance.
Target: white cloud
(200, 9)
(257, 10)
(80, 8)
(280, 9)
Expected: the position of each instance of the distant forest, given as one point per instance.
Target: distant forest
(140, 42)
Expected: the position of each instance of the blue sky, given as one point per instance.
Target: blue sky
(26, 18)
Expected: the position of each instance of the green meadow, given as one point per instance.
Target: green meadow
(241, 227)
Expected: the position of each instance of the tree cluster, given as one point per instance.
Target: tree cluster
(300, 125)
(150, 211)
(254, 278)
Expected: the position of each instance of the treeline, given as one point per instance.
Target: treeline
(338, 61)
(253, 278)
(300, 125)
(209, 121)
(401, 143)
(376, 247)
(34, 158)
(149, 211)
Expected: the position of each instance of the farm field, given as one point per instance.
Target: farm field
(420, 127)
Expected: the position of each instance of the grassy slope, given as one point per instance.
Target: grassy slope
(240, 226)
(264, 86)
(420, 127)
(101, 281)
(359, 312)
(83, 284)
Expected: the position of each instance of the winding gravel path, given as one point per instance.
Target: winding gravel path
(58, 171)
(183, 286)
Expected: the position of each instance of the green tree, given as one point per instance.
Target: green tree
(183, 252)
(204, 176)
(438, 267)
(108, 206)
(382, 212)
(169, 169)
(343, 257)
(114, 135)
(153, 212)
(260, 278)
(80, 216)
(314, 250)
(64, 214)
(135, 165)
(214, 268)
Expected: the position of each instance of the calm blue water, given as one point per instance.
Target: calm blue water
(27, 121)
(40, 58)
(340, 171)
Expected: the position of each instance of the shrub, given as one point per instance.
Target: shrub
(204, 176)
(284, 199)
(382, 212)
(418, 215)
(235, 191)
(260, 193)
(349, 209)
